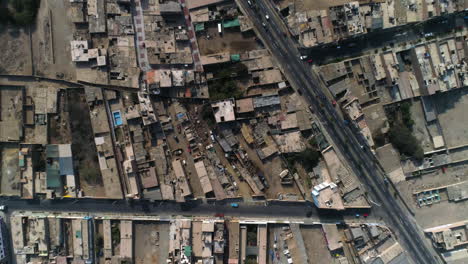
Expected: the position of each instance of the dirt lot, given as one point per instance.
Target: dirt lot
(9, 169)
(304, 5)
(232, 41)
(18, 58)
(451, 107)
(315, 244)
(83, 146)
(59, 124)
(151, 243)
(419, 128)
(51, 41)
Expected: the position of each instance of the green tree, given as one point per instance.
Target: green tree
(224, 86)
(24, 11)
(400, 136)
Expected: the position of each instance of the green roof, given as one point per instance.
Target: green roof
(231, 23)
(188, 251)
(235, 57)
(199, 27)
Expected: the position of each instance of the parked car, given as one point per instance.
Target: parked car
(3, 208)
(234, 205)
(178, 152)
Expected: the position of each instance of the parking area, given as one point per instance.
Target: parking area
(444, 212)
(232, 41)
(151, 243)
(179, 146)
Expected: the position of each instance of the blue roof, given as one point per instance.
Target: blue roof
(66, 166)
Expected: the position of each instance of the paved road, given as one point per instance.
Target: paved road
(347, 139)
(272, 210)
(410, 33)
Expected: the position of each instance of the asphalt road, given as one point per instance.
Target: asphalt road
(347, 139)
(409, 33)
(277, 210)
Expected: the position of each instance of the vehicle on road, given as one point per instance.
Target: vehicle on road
(234, 205)
(249, 2)
(428, 35)
(219, 215)
(310, 61)
(334, 103)
(178, 152)
(302, 57)
(3, 208)
(267, 17)
(263, 24)
(176, 138)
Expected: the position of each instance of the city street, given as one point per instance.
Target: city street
(274, 211)
(346, 138)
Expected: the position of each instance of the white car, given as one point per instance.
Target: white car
(249, 2)
(267, 17)
(302, 57)
(3, 208)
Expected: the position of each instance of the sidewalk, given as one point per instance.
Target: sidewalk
(193, 39)
(137, 12)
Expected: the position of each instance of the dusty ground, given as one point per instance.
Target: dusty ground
(420, 130)
(443, 212)
(59, 124)
(190, 171)
(18, 58)
(315, 244)
(304, 5)
(9, 169)
(271, 168)
(453, 119)
(99, 233)
(51, 41)
(83, 146)
(151, 243)
(231, 41)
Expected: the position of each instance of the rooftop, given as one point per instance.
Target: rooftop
(224, 110)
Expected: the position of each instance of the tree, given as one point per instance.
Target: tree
(400, 136)
(308, 158)
(23, 12)
(224, 86)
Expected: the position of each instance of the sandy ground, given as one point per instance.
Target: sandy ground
(51, 41)
(315, 244)
(231, 41)
(190, 171)
(420, 130)
(9, 169)
(452, 107)
(59, 124)
(304, 5)
(18, 58)
(151, 243)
